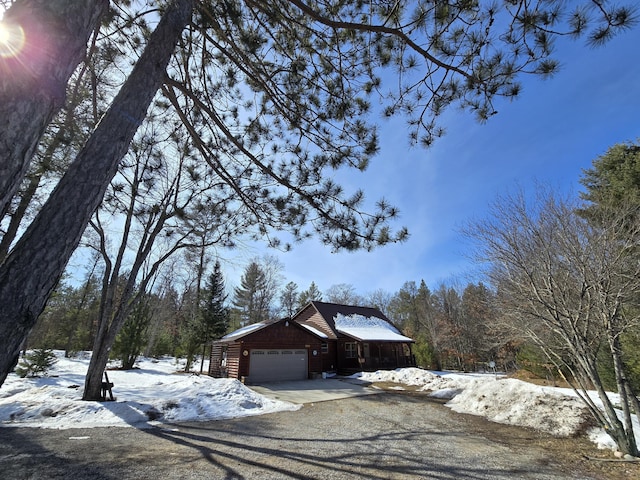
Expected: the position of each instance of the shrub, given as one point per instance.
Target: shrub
(36, 363)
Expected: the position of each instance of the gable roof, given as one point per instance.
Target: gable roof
(372, 328)
(254, 327)
(243, 331)
(330, 310)
(360, 323)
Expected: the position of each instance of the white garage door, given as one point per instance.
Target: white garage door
(277, 365)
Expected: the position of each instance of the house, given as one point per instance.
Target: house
(322, 337)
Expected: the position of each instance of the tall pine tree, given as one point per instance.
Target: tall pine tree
(309, 295)
(289, 299)
(251, 296)
(215, 314)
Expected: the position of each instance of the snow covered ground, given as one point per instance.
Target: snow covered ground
(155, 392)
(152, 392)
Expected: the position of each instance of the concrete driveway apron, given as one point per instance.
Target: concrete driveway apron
(311, 391)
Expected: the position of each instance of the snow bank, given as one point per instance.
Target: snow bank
(556, 411)
(145, 396)
(440, 385)
(515, 402)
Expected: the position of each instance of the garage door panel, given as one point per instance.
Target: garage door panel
(275, 365)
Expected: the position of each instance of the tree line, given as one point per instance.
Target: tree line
(179, 318)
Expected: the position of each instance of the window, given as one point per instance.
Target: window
(325, 348)
(350, 350)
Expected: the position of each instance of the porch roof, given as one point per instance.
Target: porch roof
(374, 334)
(371, 328)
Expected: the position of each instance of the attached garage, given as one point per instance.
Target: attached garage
(268, 352)
(278, 365)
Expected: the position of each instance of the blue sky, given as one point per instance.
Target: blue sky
(553, 131)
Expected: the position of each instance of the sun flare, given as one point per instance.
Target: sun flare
(11, 39)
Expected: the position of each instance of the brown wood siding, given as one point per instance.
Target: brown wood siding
(215, 359)
(283, 336)
(329, 363)
(280, 335)
(233, 360)
(310, 316)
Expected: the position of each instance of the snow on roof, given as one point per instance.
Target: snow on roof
(314, 330)
(244, 330)
(368, 328)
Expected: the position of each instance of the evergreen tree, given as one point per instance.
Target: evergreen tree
(36, 363)
(215, 313)
(289, 299)
(403, 309)
(251, 297)
(311, 294)
(613, 188)
(69, 320)
(133, 335)
(613, 181)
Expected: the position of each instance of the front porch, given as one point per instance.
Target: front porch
(371, 356)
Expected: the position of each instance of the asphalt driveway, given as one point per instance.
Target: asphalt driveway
(312, 391)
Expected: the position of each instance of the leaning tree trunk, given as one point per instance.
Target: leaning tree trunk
(33, 81)
(33, 268)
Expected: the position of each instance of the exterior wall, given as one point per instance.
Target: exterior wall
(280, 335)
(233, 360)
(224, 361)
(344, 364)
(329, 359)
(215, 361)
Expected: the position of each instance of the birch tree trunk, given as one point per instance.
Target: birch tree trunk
(33, 268)
(54, 36)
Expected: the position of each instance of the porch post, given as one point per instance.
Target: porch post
(360, 356)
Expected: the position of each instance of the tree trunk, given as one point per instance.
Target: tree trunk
(628, 441)
(204, 352)
(34, 80)
(11, 232)
(33, 268)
